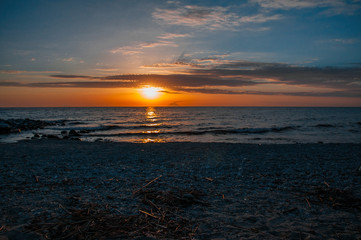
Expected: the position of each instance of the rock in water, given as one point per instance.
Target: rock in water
(4, 127)
(73, 133)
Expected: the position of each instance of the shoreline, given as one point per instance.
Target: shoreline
(216, 190)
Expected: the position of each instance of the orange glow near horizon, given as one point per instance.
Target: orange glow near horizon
(151, 92)
(126, 97)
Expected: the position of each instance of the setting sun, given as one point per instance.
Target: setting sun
(151, 92)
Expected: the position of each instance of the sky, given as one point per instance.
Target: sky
(189, 53)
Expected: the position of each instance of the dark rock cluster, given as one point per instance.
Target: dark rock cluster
(70, 135)
(18, 125)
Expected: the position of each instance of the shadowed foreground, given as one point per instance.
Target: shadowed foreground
(54, 189)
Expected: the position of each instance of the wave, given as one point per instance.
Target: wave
(113, 127)
(324, 125)
(210, 131)
(75, 123)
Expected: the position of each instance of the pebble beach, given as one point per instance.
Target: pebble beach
(63, 189)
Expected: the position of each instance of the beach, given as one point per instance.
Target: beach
(64, 189)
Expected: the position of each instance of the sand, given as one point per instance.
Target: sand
(203, 190)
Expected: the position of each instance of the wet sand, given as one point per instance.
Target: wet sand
(196, 190)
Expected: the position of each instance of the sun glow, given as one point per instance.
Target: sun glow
(151, 92)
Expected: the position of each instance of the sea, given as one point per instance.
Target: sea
(257, 125)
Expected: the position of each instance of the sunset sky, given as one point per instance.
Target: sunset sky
(180, 53)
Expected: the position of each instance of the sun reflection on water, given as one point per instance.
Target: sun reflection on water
(151, 115)
(152, 140)
(151, 131)
(151, 122)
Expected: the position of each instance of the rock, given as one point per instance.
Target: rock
(75, 139)
(18, 125)
(4, 127)
(73, 133)
(51, 136)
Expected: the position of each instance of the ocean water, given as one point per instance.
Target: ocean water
(258, 125)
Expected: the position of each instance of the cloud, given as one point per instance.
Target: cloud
(177, 90)
(310, 93)
(85, 84)
(11, 84)
(22, 52)
(217, 72)
(331, 7)
(73, 76)
(173, 35)
(26, 72)
(287, 4)
(240, 73)
(127, 50)
(173, 2)
(107, 69)
(68, 59)
(259, 18)
(344, 40)
(278, 73)
(228, 77)
(72, 60)
(212, 18)
(157, 44)
(175, 103)
(137, 49)
(258, 29)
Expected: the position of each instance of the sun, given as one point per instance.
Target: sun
(151, 92)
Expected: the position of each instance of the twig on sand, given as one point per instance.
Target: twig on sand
(159, 210)
(146, 185)
(209, 179)
(62, 207)
(308, 202)
(36, 178)
(149, 214)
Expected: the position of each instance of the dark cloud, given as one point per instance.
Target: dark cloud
(11, 84)
(72, 76)
(226, 77)
(182, 80)
(95, 84)
(169, 81)
(308, 94)
(207, 91)
(327, 77)
(331, 7)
